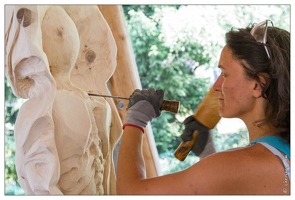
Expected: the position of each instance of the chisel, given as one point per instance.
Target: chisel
(167, 105)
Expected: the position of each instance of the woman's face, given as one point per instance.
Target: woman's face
(236, 98)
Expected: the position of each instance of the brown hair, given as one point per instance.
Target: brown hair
(275, 70)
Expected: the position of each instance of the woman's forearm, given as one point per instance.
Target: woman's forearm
(131, 167)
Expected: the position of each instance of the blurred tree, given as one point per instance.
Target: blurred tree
(169, 67)
(12, 104)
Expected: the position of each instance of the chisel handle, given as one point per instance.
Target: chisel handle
(170, 105)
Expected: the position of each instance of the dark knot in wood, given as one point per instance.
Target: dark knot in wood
(24, 15)
(90, 56)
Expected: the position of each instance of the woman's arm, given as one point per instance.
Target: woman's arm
(131, 167)
(219, 173)
(131, 177)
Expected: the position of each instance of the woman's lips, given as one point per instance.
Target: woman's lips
(220, 100)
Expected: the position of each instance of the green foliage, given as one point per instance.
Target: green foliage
(169, 164)
(147, 10)
(10, 116)
(11, 111)
(10, 101)
(10, 171)
(230, 140)
(168, 67)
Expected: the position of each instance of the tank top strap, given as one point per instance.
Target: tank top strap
(280, 155)
(278, 146)
(277, 142)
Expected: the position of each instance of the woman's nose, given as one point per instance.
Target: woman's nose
(217, 85)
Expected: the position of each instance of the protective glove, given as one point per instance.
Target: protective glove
(204, 145)
(144, 105)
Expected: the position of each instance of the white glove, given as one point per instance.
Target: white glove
(144, 105)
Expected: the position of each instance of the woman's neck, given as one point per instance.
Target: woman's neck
(257, 131)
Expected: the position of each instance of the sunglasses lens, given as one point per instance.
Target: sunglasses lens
(259, 32)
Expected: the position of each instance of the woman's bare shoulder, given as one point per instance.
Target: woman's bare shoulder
(232, 171)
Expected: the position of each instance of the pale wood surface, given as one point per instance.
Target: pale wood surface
(64, 138)
(27, 70)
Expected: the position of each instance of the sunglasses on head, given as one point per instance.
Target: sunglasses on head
(259, 32)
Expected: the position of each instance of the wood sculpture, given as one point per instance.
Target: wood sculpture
(55, 56)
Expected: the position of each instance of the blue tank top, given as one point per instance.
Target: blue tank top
(276, 145)
(277, 142)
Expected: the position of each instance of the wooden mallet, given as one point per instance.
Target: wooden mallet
(206, 114)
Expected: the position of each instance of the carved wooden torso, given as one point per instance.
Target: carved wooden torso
(55, 56)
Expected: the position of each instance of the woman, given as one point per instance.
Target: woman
(254, 85)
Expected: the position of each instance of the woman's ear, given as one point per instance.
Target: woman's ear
(257, 89)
